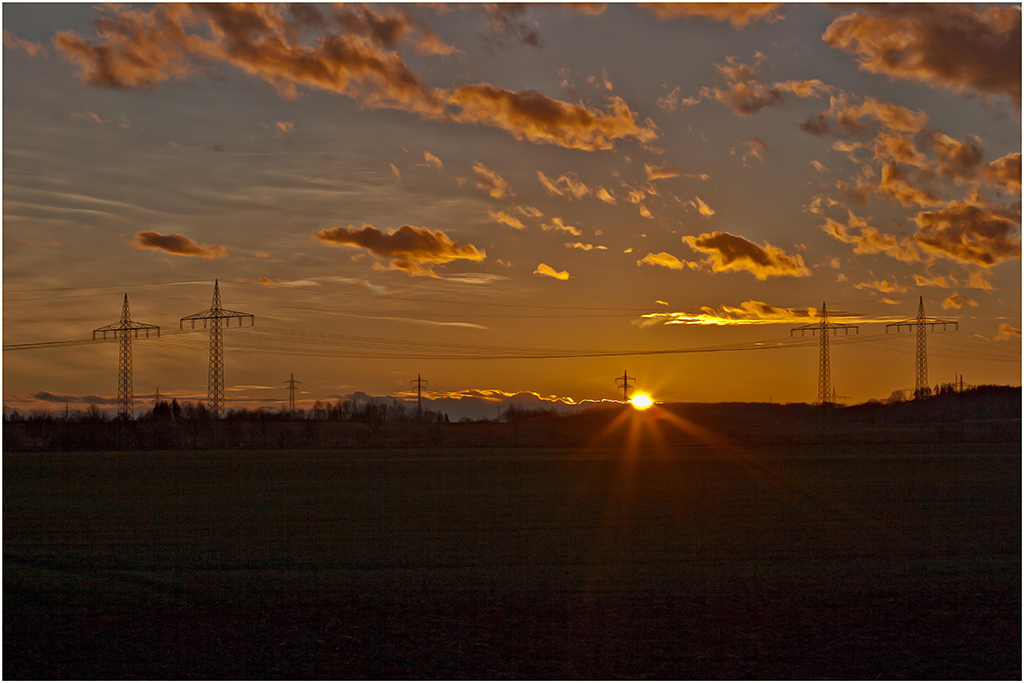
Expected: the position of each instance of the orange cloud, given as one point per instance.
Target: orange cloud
(396, 172)
(139, 48)
(431, 160)
(411, 249)
(178, 245)
(843, 118)
(868, 240)
(573, 186)
(665, 260)
(883, 286)
(748, 313)
(754, 148)
(725, 252)
(746, 94)
(389, 29)
(605, 196)
(538, 118)
(645, 212)
(12, 41)
(703, 208)
(89, 116)
(970, 232)
(896, 184)
(557, 225)
(661, 172)
(957, 159)
(736, 13)
(957, 300)
(963, 47)
(1004, 173)
(545, 269)
(502, 217)
(529, 211)
(492, 182)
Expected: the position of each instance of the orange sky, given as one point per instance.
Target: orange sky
(510, 198)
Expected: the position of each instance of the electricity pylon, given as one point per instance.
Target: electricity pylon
(125, 330)
(921, 384)
(625, 379)
(824, 369)
(291, 394)
(215, 314)
(419, 382)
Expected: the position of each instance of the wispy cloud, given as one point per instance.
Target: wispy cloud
(176, 244)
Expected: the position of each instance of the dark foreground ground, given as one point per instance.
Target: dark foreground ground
(800, 562)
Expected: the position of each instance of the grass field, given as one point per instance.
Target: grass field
(813, 562)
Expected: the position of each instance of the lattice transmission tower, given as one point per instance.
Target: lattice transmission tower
(824, 369)
(125, 330)
(419, 382)
(215, 314)
(624, 380)
(291, 394)
(921, 322)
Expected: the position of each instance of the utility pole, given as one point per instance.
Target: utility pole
(824, 369)
(215, 314)
(291, 394)
(125, 330)
(921, 388)
(419, 382)
(625, 380)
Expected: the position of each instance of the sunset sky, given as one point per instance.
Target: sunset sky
(510, 198)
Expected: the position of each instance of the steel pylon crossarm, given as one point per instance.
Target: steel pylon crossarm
(216, 316)
(824, 365)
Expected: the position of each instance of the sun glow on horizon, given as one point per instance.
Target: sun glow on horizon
(641, 401)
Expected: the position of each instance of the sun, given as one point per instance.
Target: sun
(641, 401)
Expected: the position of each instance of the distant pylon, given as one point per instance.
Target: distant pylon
(291, 394)
(921, 382)
(419, 382)
(125, 330)
(824, 369)
(215, 314)
(625, 379)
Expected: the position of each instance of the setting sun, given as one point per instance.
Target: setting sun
(641, 401)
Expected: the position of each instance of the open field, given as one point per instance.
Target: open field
(797, 562)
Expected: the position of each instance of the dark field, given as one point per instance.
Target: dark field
(797, 562)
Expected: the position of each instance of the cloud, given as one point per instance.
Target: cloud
(529, 211)
(12, 42)
(674, 100)
(970, 232)
(509, 25)
(545, 269)
(492, 182)
(869, 240)
(63, 398)
(396, 172)
(431, 160)
(502, 217)
(1007, 332)
(533, 116)
(661, 172)
(745, 94)
(178, 245)
(975, 280)
(748, 313)
(88, 116)
(605, 196)
(737, 14)
(957, 159)
(957, 300)
(703, 208)
(584, 247)
(283, 129)
(139, 49)
(754, 148)
(589, 8)
(572, 186)
(645, 212)
(557, 225)
(844, 119)
(411, 249)
(664, 259)
(820, 167)
(388, 29)
(965, 48)
(883, 286)
(1004, 173)
(725, 252)
(896, 184)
